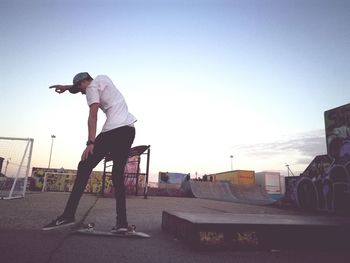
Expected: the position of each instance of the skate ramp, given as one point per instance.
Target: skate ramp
(251, 194)
(225, 191)
(212, 190)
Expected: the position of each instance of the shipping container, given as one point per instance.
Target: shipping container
(270, 181)
(283, 185)
(242, 177)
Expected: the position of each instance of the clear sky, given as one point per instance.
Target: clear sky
(205, 79)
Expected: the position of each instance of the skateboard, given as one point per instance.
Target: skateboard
(89, 229)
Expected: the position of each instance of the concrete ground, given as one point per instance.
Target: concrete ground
(22, 240)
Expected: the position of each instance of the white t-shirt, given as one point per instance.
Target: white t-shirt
(102, 90)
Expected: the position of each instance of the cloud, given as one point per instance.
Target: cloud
(306, 146)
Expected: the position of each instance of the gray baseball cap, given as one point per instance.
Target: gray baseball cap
(76, 80)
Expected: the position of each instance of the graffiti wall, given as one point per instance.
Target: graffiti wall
(325, 184)
(290, 184)
(62, 180)
(132, 169)
(337, 125)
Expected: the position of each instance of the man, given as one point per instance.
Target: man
(116, 138)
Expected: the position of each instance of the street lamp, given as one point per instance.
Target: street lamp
(44, 183)
(231, 156)
(289, 171)
(7, 164)
(52, 137)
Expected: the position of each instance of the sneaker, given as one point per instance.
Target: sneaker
(59, 222)
(119, 229)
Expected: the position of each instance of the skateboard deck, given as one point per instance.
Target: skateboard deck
(90, 230)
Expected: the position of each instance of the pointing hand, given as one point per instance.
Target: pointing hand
(59, 88)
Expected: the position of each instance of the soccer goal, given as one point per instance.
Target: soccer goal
(15, 158)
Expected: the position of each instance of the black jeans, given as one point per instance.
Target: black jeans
(117, 142)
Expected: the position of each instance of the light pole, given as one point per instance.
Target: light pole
(44, 183)
(7, 164)
(231, 157)
(52, 137)
(289, 170)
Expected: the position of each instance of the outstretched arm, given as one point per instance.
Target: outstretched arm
(60, 88)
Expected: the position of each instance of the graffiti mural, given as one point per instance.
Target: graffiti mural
(290, 184)
(325, 184)
(62, 180)
(131, 172)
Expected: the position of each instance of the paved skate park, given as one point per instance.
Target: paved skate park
(22, 239)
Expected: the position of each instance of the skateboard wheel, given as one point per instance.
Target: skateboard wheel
(91, 225)
(131, 228)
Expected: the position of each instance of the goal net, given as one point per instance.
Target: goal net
(15, 158)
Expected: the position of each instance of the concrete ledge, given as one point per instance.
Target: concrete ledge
(229, 231)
